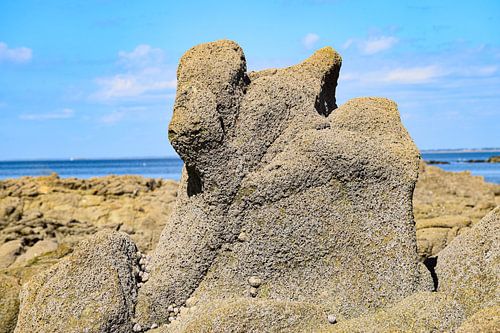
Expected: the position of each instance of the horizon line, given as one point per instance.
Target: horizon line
(69, 159)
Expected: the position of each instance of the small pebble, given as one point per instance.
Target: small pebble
(154, 326)
(171, 319)
(332, 319)
(142, 261)
(140, 284)
(255, 281)
(243, 237)
(176, 310)
(253, 292)
(170, 308)
(141, 273)
(137, 328)
(145, 277)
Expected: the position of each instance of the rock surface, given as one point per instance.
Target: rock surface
(446, 204)
(494, 159)
(9, 303)
(68, 210)
(92, 290)
(420, 312)
(315, 203)
(486, 320)
(469, 268)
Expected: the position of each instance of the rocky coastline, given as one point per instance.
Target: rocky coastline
(292, 214)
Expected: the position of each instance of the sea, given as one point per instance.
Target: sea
(170, 168)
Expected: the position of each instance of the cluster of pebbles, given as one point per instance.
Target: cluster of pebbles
(141, 272)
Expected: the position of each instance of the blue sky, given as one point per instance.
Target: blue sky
(96, 78)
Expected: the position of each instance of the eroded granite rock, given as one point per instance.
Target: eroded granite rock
(91, 290)
(280, 184)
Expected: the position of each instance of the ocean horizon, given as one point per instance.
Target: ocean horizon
(171, 167)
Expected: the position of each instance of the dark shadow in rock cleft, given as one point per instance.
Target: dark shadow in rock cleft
(194, 182)
(431, 263)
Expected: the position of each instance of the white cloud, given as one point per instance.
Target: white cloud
(131, 85)
(413, 75)
(144, 75)
(347, 44)
(371, 45)
(63, 114)
(112, 117)
(310, 40)
(119, 114)
(16, 55)
(478, 71)
(142, 56)
(377, 44)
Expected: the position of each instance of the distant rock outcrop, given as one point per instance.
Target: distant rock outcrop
(311, 201)
(494, 159)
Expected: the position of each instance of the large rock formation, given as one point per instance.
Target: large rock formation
(284, 197)
(92, 290)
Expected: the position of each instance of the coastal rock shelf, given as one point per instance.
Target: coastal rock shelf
(292, 214)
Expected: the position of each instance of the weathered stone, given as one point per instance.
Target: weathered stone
(71, 209)
(9, 252)
(420, 312)
(486, 320)
(40, 248)
(243, 315)
(322, 193)
(469, 268)
(89, 291)
(446, 204)
(9, 303)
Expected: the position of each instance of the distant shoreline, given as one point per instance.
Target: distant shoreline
(461, 150)
(74, 159)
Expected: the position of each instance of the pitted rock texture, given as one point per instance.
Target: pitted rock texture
(469, 268)
(9, 303)
(279, 184)
(420, 312)
(486, 320)
(92, 290)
